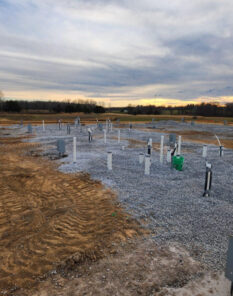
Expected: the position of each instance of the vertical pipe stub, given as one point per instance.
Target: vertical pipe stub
(161, 149)
(105, 137)
(119, 136)
(68, 129)
(169, 155)
(175, 149)
(59, 124)
(148, 149)
(208, 180)
(221, 149)
(204, 151)
(149, 146)
(61, 147)
(150, 142)
(74, 150)
(109, 161)
(141, 158)
(89, 135)
(147, 165)
(179, 146)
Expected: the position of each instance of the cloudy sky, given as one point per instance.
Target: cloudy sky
(117, 51)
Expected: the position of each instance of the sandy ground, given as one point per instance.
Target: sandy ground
(46, 216)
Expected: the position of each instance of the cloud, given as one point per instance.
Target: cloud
(123, 50)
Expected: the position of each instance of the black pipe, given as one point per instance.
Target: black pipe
(221, 151)
(208, 181)
(149, 149)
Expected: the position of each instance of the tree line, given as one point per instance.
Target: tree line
(203, 109)
(50, 106)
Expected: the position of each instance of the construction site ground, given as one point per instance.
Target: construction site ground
(67, 234)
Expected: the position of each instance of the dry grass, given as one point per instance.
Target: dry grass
(36, 118)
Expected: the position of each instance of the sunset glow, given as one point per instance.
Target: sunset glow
(117, 52)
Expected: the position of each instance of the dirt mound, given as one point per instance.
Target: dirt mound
(47, 216)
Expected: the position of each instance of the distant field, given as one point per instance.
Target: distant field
(13, 118)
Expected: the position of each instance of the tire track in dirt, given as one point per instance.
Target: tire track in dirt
(47, 216)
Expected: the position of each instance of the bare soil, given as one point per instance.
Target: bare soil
(47, 216)
(135, 268)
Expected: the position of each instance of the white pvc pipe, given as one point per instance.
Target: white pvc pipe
(208, 165)
(150, 142)
(74, 149)
(161, 149)
(147, 165)
(105, 137)
(111, 127)
(109, 161)
(141, 158)
(43, 126)
(204, 151)
(119, 136)
(179, 146)
(169, 156)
